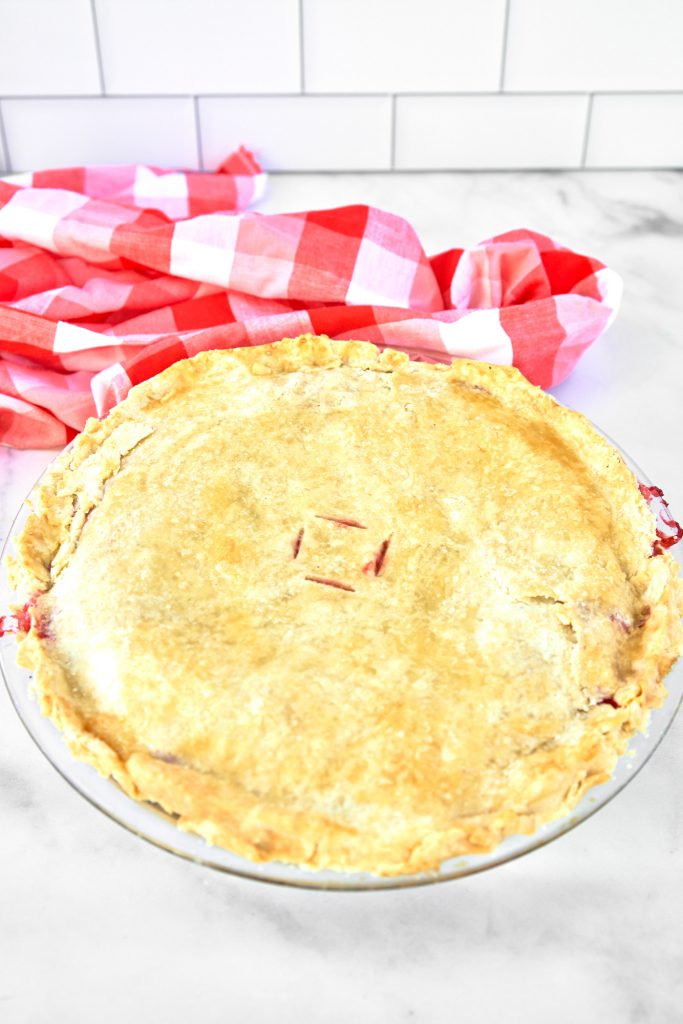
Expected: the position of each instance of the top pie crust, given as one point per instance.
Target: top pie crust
(337, 608)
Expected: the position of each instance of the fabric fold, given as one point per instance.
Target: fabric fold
(110, 274)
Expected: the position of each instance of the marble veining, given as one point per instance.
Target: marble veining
(97, 925)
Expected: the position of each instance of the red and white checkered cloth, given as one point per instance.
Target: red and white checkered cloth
(110, 274)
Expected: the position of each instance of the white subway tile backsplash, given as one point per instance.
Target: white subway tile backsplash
(300, 133)
(47, 48)
(443, 132)
(66, 132)
(636, 131)
(342, 85)
(4, 162)
(194, 46)
(594, 45)
(399, 46)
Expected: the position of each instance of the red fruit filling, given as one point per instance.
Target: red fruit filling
(375, 564)
(330, 583)
(296, 545)
(343, 522)
(21, 622)
(669, 532)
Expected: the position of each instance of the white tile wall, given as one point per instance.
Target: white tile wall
(300, 133)
(47, 47)
(595, 45)
(64, 132)
(195, 46)
(636, 131)
(4, 162)
(343, 84)
(402, 45)
(446, 132)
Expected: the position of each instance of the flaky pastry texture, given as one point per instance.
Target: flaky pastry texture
(333, 607)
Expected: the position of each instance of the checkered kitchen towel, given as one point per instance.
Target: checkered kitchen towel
(110, 274)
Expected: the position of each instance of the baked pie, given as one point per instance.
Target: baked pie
(333, 607)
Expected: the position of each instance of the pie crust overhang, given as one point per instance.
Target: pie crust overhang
(337, 608)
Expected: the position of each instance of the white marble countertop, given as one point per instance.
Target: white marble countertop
(98, 926)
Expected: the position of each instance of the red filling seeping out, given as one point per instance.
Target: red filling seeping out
(375, 564)
(343, 522)
(330, 583)
(19, 623)
(22, 621)
(669, 532)
(296, 545)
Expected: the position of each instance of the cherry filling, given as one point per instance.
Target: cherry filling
(343, 522)
(296, 545)
(21, 622)
(669, 532)
(608, 700)
(375, 564)
(330, 583)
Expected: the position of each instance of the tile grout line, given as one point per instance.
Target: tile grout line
(3, 141)
(302, 68)
(98, 51)
(483, 169)
(503, 56)
(586, 131)
(460, 94)
(198, 133)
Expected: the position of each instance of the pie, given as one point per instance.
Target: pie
(333, 607)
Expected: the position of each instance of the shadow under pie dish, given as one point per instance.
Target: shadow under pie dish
(339, 609)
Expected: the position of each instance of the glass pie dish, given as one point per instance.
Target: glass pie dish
(150, 822)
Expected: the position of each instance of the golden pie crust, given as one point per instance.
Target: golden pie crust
(333, 607)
